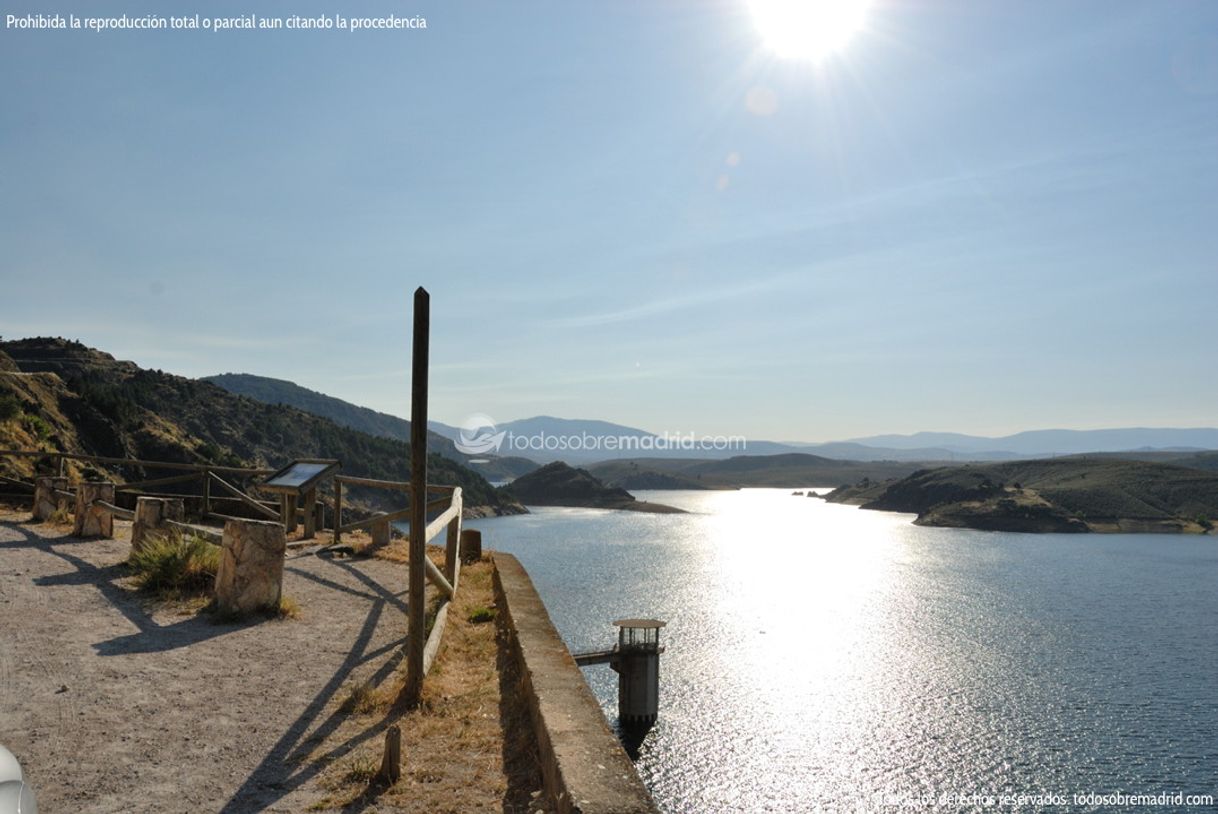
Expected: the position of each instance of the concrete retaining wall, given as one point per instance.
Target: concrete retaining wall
(584, 766)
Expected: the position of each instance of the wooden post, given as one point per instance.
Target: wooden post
(452, 552)
(417, 637)
(61, 466)
(310, 514)
(391, 760)
(471, 545)
(381, 531)
(206, 491)
(338, 510)
(287, 505)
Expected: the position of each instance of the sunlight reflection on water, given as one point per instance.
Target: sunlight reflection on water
(819, 655)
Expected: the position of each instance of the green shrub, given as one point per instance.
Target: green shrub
(10, 407)
(174, 564)
(37, 426)
(481, 614)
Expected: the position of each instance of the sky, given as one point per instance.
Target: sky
(981, 217)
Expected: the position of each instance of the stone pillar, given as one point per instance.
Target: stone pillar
(93, 521)
(45, 499)
(150, 516)
(471, 545)
(381, 531)
(287, 508)
(310, 514)
(250, 576)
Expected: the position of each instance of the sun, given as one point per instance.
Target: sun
(808, 29)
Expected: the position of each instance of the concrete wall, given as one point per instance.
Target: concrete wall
(583, 765)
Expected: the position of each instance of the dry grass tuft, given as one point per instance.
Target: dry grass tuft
(288, 608)
(361, 769)
(60, 517)
(361, 699)
(172, 566)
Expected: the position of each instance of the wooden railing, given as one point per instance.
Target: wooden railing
(202, 474)
(449, 506)
(208, 485)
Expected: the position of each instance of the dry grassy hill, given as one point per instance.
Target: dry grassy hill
(1079, 493)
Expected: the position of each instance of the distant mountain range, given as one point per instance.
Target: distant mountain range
(1044, 443)
(440, 437)
(521, 446)
(923, 446)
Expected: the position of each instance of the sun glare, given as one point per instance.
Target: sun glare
(808, 29)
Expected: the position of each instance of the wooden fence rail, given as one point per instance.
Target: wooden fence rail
(102, 459)
(401, 486)
(211, 535)
(144, 484)
(243, 497)
(117, 511)
(20, 484)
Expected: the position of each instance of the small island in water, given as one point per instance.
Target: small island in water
(559, 484)
(1073, 494)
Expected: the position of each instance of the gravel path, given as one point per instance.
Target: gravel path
(112, 706)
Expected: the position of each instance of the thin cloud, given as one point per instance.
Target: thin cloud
(669, 305)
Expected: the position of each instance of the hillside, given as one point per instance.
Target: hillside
(788, 470)
(1193, 460)
(65, 396)
(1062, 494)
(366, 420)
(631, 474)
(558, 484)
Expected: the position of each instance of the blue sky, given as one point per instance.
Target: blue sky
(977, 217)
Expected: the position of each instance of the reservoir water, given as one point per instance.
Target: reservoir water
(821, 657)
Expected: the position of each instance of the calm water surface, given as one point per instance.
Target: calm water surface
(819, 655)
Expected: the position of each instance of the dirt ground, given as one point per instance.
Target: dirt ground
(116, 705)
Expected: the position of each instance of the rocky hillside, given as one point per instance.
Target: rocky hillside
(60, 395)
(558, 484)
(1061, 494)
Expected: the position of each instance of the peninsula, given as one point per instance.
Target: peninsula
(1073, 494)
(559, 484)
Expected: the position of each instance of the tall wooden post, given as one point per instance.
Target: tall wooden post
(206, 492)
(417, 636)
(310, 514)
(338, 510)
(287, 508)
